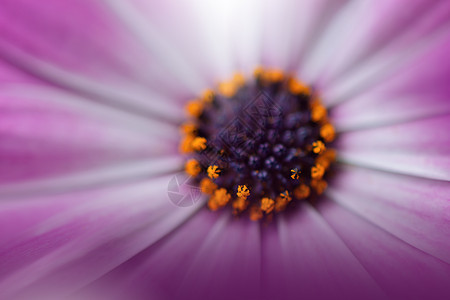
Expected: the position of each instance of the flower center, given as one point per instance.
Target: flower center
(260, 145)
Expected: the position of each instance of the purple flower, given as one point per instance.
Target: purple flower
(91, 97)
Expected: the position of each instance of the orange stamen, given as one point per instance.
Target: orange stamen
(207, 186)
(317, 171)
(297, 88)
(285, 195)
(219, 199)
(213, 172)
(319, 185)
(186, 144)
(302, 191)
(188, 128)
(199, 143)
(194, 108)
(318, 112)
(267, 205)
(239, 205)
(192, 167)
(318, 147)
(327, 132)
(274, 75)
(280, 204)
(326, 158)
(255, 213)
(243, 191)
(208, 96)
(229, 88)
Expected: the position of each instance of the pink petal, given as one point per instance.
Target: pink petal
(224, 258)
(418, 90)
(415, 210)
(385, 24)
(228, 257)
(196, 48)
(419, 148)
(210, 256)
(104, 55)
(305, 257)
(402, 271)
(426, 32)
(90, 234)
(57, 135)
(290, 28)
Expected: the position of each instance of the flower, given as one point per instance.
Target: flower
(91, 97)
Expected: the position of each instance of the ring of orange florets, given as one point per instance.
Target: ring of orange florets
(305, 184)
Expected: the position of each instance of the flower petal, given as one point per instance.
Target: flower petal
(402, 271)
(418, 90)
(426, 33)
(322, 48)
(415, 210)
(420, 148)
(302, 263)
(92, 233)
(247, 30)
(211, 256)
(385, 24)
(42, 31)
(105, 61)
(200, 44)
(291, 29)
(54, 134)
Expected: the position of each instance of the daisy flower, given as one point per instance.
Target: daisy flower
(249, 149)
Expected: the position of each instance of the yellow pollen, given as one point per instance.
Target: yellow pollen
(318, 112)
(302, 191)
(258, 71)
(213, 171)
(274, 75)
(239, 79)
(243, 191)
(255, 213)
(297, 88)
(229, 88)
(194, 108)
(192, 167)
(319, 185)
(221, 196)
(239, 205)
(295, 173)
(188, 128)
(318, 147)
(186, 144)
(327, 132)
(330, 154)
(212, 205)
(280, 204)
(207, 186)
(199, 143)
(269, 75)
(317, 171)
(285, 195)
(208, 96)
(326, 158)
(219, 199)
(267, 205)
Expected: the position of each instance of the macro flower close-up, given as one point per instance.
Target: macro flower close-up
(194, 149)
